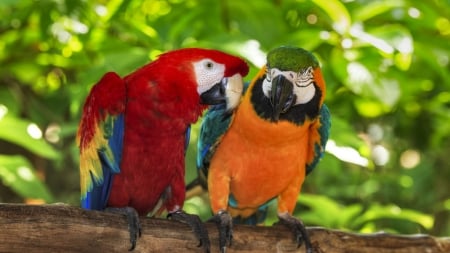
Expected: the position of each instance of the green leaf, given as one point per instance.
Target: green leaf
(338, 65)
(323, 206)
(374, 8)
(191, 153)
(18, 174)
(119, 58)
(16, 130)
(400, 39)
(377, 212)
(344, 134)
(370, 108)
(338, 14)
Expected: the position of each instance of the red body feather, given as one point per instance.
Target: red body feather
(160, 102)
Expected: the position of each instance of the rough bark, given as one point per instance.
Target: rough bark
(62, 228)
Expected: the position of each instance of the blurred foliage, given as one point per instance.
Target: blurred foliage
(386, 64)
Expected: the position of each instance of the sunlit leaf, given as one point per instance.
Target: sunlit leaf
(113, 8)
(191, 165)
(436, 59)
(447, 204)
(18, 174)
(359, 77)
(8, 102)
(26, 72)
(7, 3)
(248, 16)
(17, 131)
(303, 37)
(338, 64)
(370, 108)
(323, 208)
(344, 134)
(400, 39)
(337, 12)
(122, 60)
(347, 154)
(197, 205)
(376, 212)
(374, 8)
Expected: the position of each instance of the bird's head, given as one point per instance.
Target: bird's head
(292, 78)
(217, 75)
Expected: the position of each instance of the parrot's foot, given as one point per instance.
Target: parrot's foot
(224, 223)
(134, 226)
(299, 230)
(197, 226)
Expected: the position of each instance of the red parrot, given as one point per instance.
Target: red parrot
(134, 132)
(265, 149)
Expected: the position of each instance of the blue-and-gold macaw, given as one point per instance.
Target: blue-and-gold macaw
(263, 152)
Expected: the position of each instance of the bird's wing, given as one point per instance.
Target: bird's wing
(100, 138)
(216, 122)
(320, 133)
(214, 126)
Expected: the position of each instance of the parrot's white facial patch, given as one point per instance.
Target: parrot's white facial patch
(302, 81)
(208, 73)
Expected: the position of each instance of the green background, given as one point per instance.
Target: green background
(386, 65)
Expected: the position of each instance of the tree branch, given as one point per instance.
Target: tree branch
(62, 228)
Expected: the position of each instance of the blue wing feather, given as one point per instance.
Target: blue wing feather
(216, 122)
(97, 197)
(212, 129)
(324, 132)
(256, 218)
(187, 137)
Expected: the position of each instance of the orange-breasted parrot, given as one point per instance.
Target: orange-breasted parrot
(274, 138)
(134, 132)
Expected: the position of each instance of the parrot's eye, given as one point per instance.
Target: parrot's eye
(209, 65)
(208, 73)
(305, 77)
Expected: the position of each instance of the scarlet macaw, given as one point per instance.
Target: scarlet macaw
(263, 152)
(134, 132)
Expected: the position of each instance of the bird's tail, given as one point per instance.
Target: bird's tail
(255, 219)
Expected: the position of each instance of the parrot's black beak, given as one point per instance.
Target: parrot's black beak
(282, 96)
(215, 95)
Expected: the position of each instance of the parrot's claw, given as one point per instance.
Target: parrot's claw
(224, 223)
(197, 226)
(134, 226)
(299, 230)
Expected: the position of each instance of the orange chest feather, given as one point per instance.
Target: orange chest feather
(260, 155)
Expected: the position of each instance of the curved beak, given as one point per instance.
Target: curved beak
(215, 95)
(282, 96)
(233, 91)
(228, 90)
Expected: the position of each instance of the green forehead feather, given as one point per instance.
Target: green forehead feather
(291, 58)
